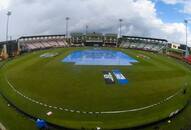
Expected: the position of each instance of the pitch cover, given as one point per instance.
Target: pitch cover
(108, 77)
(120, 77)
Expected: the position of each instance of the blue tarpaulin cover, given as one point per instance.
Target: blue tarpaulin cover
(99, 57)
(120, 77)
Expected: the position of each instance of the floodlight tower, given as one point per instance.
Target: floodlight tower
(7, 27)
(67, 22)
(87, 29)
(120, 22)
(186, 21)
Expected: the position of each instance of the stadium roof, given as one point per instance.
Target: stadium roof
(41, 36)
(111, 35)
(77, 34)
(94, 34)
(145, 38)
(8, 42)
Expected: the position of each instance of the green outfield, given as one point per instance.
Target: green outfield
(79, 98)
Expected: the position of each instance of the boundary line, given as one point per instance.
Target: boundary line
(89, 112)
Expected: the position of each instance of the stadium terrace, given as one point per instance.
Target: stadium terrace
(32, 43)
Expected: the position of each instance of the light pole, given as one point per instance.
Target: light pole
(67, 22)
(7, 27)
(120, 21)
(87, 29)
(186, 23)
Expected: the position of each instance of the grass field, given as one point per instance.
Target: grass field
(82, 89)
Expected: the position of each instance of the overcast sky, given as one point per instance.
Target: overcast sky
(151, 18)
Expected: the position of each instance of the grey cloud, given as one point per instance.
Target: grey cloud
(33, 17)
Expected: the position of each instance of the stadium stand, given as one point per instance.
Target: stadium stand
(77, 39)
(110, 40)
(94, 39)
(30, 43)
(143, 43)
(1, 52)
(176, 53)
(188, 59)
(8, 49)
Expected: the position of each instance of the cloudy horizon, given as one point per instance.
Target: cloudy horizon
(148, 18)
